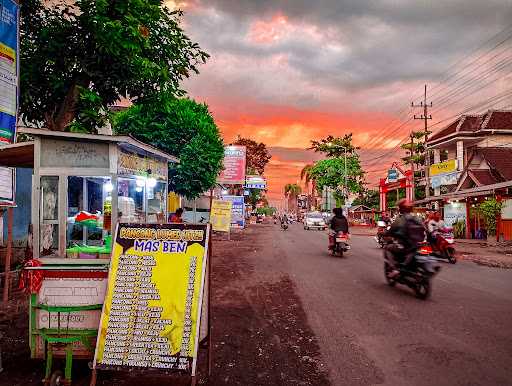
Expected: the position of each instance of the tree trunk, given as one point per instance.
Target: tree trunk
(67, 109)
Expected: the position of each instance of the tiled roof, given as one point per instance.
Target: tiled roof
(452, 128)
(499, 159)
(498, 120)
(491, 120)
(483, 176)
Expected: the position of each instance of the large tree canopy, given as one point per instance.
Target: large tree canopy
(330, 172)
(257, 155)
(183, 128)
(79, 57)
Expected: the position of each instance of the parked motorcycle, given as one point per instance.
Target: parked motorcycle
(417, 275)
(444, 246)
(341, 244)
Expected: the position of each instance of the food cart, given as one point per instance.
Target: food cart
(77, 180)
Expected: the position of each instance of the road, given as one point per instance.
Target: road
(370, 333)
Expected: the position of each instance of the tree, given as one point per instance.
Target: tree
(254, 197)
(330, 172)
(79, 57)
(257, 155)
(369, 198)
(490, 209)
(291, 191)
(334, 146)
(305, 174)
(183, 128)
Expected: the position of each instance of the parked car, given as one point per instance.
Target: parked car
(314, 220)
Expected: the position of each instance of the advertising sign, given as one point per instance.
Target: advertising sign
(454, 212)
(255, 182)
(151, 314)
(237, 210)
(234, 166)
(392, 175)
(7, 184)
(449, 166)
(8, 70)
(220, 216)
(444, 179)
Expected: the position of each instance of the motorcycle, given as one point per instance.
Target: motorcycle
(341, 244)
(417, 275)
(381, 230)
(443, 247)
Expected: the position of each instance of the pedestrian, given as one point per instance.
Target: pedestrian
(176, 217)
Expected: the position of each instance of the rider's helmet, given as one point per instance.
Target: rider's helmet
(405, 206)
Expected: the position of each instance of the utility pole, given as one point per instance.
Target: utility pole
(425, 117)
(412, 166)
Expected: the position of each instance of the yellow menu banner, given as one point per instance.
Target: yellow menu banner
(443, 167)
(151, 313)
(220, 215)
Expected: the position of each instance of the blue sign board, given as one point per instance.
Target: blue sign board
(9, 57)
(237, 210)
(392, 175)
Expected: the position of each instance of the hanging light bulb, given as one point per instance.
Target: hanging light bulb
(108, 187)
(140, 181)
(151, 182)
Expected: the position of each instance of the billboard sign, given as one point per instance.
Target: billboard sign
(237, 210)
(9, 56)
(234, 166)
(456, 211)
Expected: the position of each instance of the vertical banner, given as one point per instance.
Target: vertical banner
(8, 70)
(237, 210)
(151, 314)
(220, 215)
(234, 166)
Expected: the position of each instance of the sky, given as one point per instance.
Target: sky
(285, 72)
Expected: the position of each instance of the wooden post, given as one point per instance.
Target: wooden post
(8, 255)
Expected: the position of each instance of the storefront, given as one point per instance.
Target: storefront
(77, 180)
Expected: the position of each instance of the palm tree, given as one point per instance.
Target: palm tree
(306, 175)
(291, 191)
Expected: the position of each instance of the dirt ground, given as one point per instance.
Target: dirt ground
(259, 329)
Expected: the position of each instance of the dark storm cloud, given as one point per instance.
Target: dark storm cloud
(382, 41)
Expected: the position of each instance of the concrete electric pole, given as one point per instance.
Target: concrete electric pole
(425, 117)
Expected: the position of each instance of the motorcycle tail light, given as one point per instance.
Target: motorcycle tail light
(425, 250)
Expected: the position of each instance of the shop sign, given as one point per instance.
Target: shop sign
(234, 166)
(135, 165)
(444, 179)
(449, 166)
(237, 210)
(220, 216)
(255, 182)
(456, 211)
(392, 175)
(9, 66)
(7, 184)
(152, 312)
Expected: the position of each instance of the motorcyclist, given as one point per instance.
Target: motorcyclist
(408, 231)
(433, 227)
(339, 223)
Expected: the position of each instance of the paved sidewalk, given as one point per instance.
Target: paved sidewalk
(488, 254)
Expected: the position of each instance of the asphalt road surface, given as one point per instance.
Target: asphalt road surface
(370, 333)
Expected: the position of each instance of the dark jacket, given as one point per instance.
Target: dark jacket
(339, 224)
(408, 229)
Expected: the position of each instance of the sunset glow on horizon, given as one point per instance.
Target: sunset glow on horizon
(285, 73)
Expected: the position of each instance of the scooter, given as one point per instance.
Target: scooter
(444, 247)
(341, 244)
(284, 225)
(417, 274)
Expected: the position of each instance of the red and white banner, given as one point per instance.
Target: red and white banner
(234, 166)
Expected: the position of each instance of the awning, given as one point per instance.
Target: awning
(17, 155)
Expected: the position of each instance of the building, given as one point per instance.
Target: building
(473, 162)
